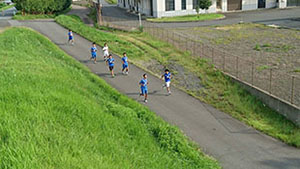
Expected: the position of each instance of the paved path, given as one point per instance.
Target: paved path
(82, 12)
(232, 143)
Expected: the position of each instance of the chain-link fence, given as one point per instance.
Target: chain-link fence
(283, 86)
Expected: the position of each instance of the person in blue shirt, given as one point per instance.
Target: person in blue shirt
(125, 68)
(94, 52)
(144, 87)
(71, 37)
(111, 63)
(167, 77)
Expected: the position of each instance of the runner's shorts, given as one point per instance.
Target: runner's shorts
(144, 90)
(125, 66)
(168, 84)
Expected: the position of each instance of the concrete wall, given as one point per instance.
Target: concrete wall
(253, 4)
(271, 3)
(282, 3)
(249, 5)
(291, 112)
(224, 5)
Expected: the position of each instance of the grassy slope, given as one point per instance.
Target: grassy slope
(56, 114)
(218, 90)
(186, 18)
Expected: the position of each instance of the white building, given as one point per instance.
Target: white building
(166, 8)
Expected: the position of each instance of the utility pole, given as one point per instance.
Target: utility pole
(140, 21)
(99, 12)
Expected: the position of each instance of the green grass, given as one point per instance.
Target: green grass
(273, 48)
(218, 90)
(55, 113)
(297, 70)
(32, 16)
(112, 1)
(187, 18)
(5, 7)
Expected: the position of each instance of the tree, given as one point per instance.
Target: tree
(198, 10)
(42, 6)
(204, 4)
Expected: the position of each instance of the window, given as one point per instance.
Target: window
(183, 4)
(195, 2)
(170, 5)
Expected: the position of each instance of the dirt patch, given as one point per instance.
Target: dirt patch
(256, 43)
(182, 77)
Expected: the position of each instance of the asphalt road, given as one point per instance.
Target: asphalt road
(288, 17)
(233, 144)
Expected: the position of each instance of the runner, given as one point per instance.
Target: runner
(125, 64)
(105, 51)
(71, 37)
(144, 87)
(94, 53)
(167, 76)
(111, 63)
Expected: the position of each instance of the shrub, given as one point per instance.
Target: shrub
(42, 6)
(2, 5)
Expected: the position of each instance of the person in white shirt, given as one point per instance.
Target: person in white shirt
(105, 51)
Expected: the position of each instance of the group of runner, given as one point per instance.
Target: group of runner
(110, 61)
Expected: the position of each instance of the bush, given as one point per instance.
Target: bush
(2, 5)
(42, 6)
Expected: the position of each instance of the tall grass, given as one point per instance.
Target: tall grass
(56, 114)
(218, 90)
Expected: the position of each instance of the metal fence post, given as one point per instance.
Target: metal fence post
(186, 44)
(168, 38)
(194, 48)
(292, 96)
(270, 87)
(224, 62)
(212, 55)
(237, 67)
(179, 39)
(202, 50)
(252, 73)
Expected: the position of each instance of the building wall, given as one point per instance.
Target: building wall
(145, 7)
(282, 3)
(271, 3)
(249, 5)
(159, 7)
(224, 5)
(177, 12)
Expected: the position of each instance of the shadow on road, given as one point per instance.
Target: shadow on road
(285, 163)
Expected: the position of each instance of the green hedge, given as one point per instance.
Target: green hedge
(42, 6)
(2, 5)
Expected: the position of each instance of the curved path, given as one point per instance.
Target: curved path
(232, 143)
